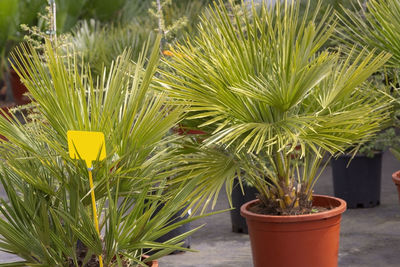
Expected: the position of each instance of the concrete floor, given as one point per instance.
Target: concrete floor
(369, 237)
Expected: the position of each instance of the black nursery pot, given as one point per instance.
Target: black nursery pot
(239, 224)
(359, 184)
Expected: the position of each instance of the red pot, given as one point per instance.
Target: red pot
(181, 130)
(396, 180)
(18, 89)
(310, 240)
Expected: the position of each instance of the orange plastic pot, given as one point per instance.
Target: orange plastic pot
(153, 263)
(396, 180)
(310, 240)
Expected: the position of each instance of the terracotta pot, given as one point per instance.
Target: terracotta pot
(153, 263)
(396, 180)
(310, 240)
(18, 89)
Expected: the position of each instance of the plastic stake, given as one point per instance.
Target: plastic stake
(88, 146)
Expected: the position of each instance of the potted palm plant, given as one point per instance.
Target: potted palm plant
(47, 219)
(256, 79)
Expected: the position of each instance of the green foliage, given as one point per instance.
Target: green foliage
(336, 6)
(48, 207)
(99, 45)
(177, 20)
(381, 142)
(34, 16)
(135, 10)
(257, 84)
(102, 10)
(68, 13)
(105, 11)
(8, 12)
(12, 14)
(28, 11)
(376, 27)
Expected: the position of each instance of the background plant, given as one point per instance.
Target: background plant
(375, 26)
(176, 20)
(99, 45)
(258, 83)
(12, 14)
(383, 141)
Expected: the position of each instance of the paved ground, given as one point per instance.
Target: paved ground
(369, 237)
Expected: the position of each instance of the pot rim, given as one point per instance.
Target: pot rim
(340, 207)
(357, 155)
(396, 177)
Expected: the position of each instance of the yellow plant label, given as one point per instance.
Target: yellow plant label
(86, 145)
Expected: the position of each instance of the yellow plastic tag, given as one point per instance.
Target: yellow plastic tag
(89, 146)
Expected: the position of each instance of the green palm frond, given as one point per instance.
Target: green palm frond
(99, 44)
(257, 82)
(252, 104)
(216, 169)
(48, 213)
(375, 25)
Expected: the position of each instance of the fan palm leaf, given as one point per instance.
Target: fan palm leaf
(373, 26)
(47, 219)
(256, 80)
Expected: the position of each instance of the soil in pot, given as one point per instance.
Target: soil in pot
(239, 224)
(310, 240)
(359, 184)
